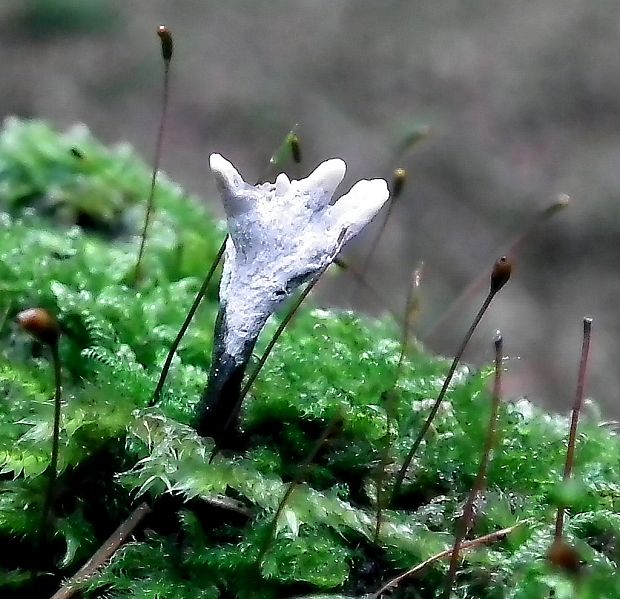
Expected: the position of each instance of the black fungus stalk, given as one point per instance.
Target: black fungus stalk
(166, 51)
(499, 277)
(220, 403)
(219, 407)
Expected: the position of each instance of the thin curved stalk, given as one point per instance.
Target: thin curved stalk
(499, 277)
(103, 554)
(466, 519)
(158, 148)
(188, 320)
(53, 466)
(484, 540)
(412, 306)
(572, 436)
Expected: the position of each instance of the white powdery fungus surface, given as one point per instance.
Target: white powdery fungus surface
(281, 234)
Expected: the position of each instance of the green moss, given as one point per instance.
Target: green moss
(68, 243)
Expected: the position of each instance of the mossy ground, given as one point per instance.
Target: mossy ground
(67, 243)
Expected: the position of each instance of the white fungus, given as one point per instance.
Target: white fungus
(281, 234)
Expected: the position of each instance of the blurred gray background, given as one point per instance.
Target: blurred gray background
(523, 100)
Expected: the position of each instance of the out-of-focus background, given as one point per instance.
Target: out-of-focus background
(522, 98)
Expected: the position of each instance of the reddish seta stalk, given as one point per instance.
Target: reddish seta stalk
(577, 405)
(466, 520)
(499, 277)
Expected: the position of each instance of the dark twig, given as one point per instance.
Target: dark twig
(474, 543)
(466, 519)
(166, 47)
(572, 437)
(499, 277)
(103, 554)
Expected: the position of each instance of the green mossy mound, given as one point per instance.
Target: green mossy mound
(70, 211)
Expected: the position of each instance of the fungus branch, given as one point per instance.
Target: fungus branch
(292, 141)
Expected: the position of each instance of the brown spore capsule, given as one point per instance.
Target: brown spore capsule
(500, 274)
(399, 179)
(39, 323)
(293, 142)
(166, 42)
